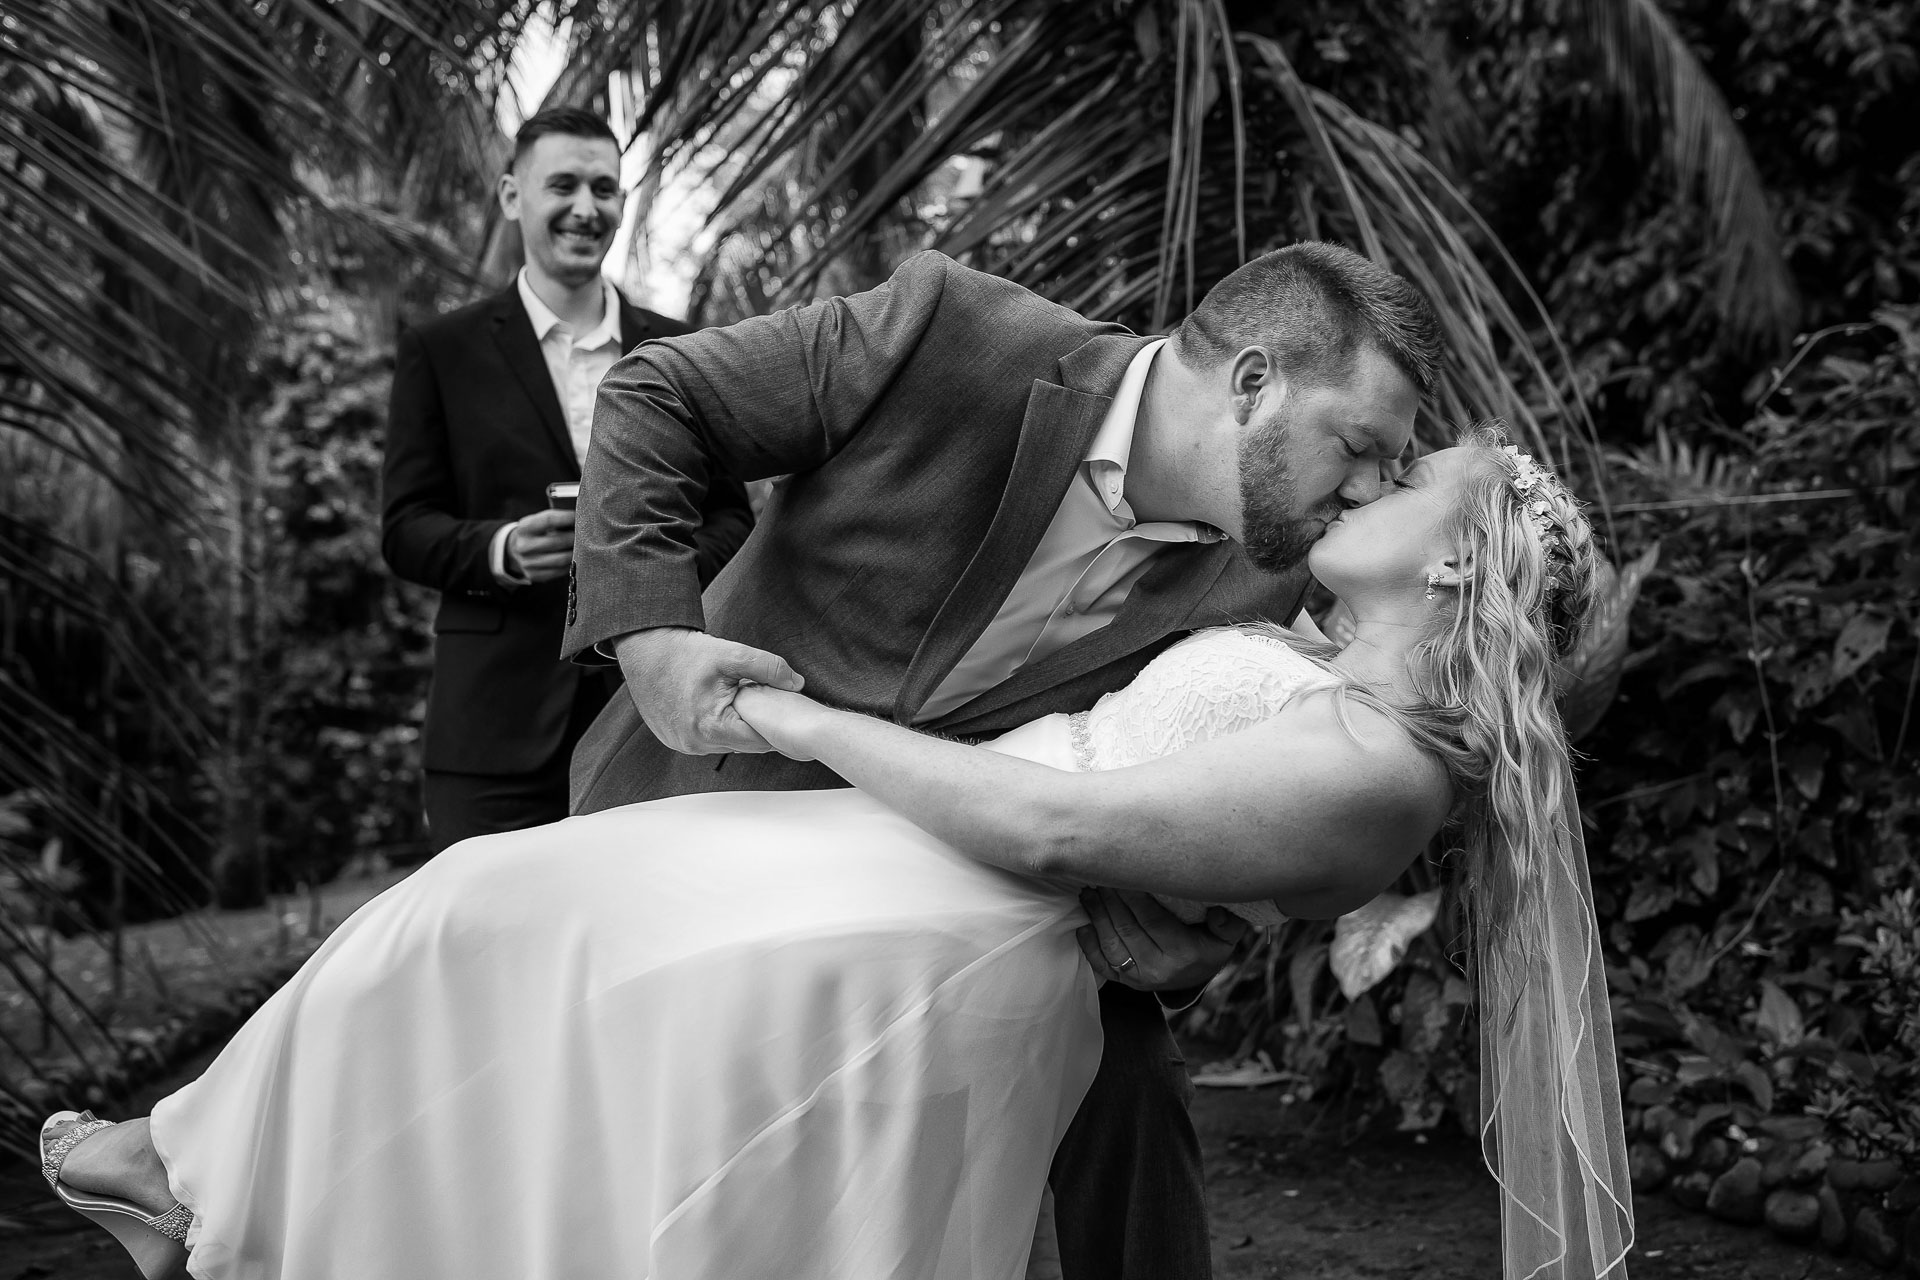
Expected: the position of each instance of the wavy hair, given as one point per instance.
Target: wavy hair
(1484, 676)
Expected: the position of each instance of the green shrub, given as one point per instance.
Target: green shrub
(348, 646)
(1752, 799)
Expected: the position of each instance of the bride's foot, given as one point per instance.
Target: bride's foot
(111, 1175)
(118, 1161)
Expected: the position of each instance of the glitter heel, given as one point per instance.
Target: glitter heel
(156, 1241)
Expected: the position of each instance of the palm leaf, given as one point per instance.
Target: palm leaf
(1409, 217)
(1672, 108)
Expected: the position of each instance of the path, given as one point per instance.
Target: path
(1286, 1206)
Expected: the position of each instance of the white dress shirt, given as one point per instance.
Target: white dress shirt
(1084, 565)
(576, 366)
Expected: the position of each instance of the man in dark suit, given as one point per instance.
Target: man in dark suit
(995, 509)
(491, 404)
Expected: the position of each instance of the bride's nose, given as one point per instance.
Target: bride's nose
(1362, 484)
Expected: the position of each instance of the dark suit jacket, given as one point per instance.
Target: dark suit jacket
(475, 433)
(929, 428)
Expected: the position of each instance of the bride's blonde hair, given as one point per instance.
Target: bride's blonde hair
(1485, 675)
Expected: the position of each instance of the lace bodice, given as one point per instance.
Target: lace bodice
(1211, 684)
(1214, 683)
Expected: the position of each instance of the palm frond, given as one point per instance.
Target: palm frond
(1409, 217)
(1110, 147)
(1673, 108)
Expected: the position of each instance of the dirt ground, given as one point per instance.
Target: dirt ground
(1288, 1204)
(1294, 1205)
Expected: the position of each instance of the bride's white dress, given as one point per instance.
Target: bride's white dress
(780, 1035)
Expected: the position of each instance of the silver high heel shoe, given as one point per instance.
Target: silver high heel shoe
(156, 1241)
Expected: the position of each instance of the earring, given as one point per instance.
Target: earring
(1433, 580)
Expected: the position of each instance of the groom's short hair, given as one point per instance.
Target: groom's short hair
(1315, 306)
(570, 122)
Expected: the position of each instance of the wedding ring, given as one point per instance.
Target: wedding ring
(1126, 964)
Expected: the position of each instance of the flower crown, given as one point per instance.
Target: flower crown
(1535, 486)
(1528, 479)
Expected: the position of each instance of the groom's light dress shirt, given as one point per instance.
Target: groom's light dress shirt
(1084, 565)
(576, 366)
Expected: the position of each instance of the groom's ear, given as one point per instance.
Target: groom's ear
(508, 191)
(1250, 374)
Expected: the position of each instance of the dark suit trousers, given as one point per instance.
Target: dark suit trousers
(1129, 1200)
(462, 805)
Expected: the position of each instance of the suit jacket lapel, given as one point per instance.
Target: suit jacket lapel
(1166, 596)
(1059, 424)
(513, 331)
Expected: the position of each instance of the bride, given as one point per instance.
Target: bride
(837, 1034)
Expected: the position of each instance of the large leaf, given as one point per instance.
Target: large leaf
(1369, 942)
(1590, 675)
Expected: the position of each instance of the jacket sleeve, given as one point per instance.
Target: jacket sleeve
(771, 395)
(422, 536)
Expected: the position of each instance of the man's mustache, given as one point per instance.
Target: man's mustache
(593, 227)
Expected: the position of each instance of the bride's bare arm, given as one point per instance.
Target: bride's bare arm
(1297, 809)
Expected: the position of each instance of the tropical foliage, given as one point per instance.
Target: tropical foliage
(211, 215)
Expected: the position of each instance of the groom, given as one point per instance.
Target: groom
(993, 509)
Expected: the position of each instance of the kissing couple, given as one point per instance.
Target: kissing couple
(852, 962)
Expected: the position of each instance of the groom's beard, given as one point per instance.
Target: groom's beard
(1275, 533)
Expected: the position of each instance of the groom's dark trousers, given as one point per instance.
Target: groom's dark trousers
(927, 431)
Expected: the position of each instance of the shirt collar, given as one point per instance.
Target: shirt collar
(1113, 442)
(545, 321)
(1105, 466)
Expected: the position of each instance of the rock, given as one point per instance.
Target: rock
(1873, 1239)
(1833, 1220)
(1713, 1155)
(1776, 1169)
(1736, 1195)
(1863, 1175)
(1905, 1197)
(1792, 1215)
(1676, 1132)
(1912, 1234)
(1646, 1167)
(1810, 1166)
(1690, 1190)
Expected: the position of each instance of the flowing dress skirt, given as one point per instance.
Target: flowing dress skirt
(734, 1035)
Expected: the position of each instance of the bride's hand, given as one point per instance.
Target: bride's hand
(786, 720)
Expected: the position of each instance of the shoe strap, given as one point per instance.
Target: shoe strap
(172, 1224)
(53, 1154)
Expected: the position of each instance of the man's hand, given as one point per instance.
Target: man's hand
(1135, 941)
(683, 682)
(541, 546)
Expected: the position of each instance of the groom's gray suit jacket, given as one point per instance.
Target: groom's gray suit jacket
(928, 430)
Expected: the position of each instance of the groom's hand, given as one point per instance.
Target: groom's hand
(683, 682)
(1135, 941)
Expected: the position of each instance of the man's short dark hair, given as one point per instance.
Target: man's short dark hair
(1315, 306)
(571, 122)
